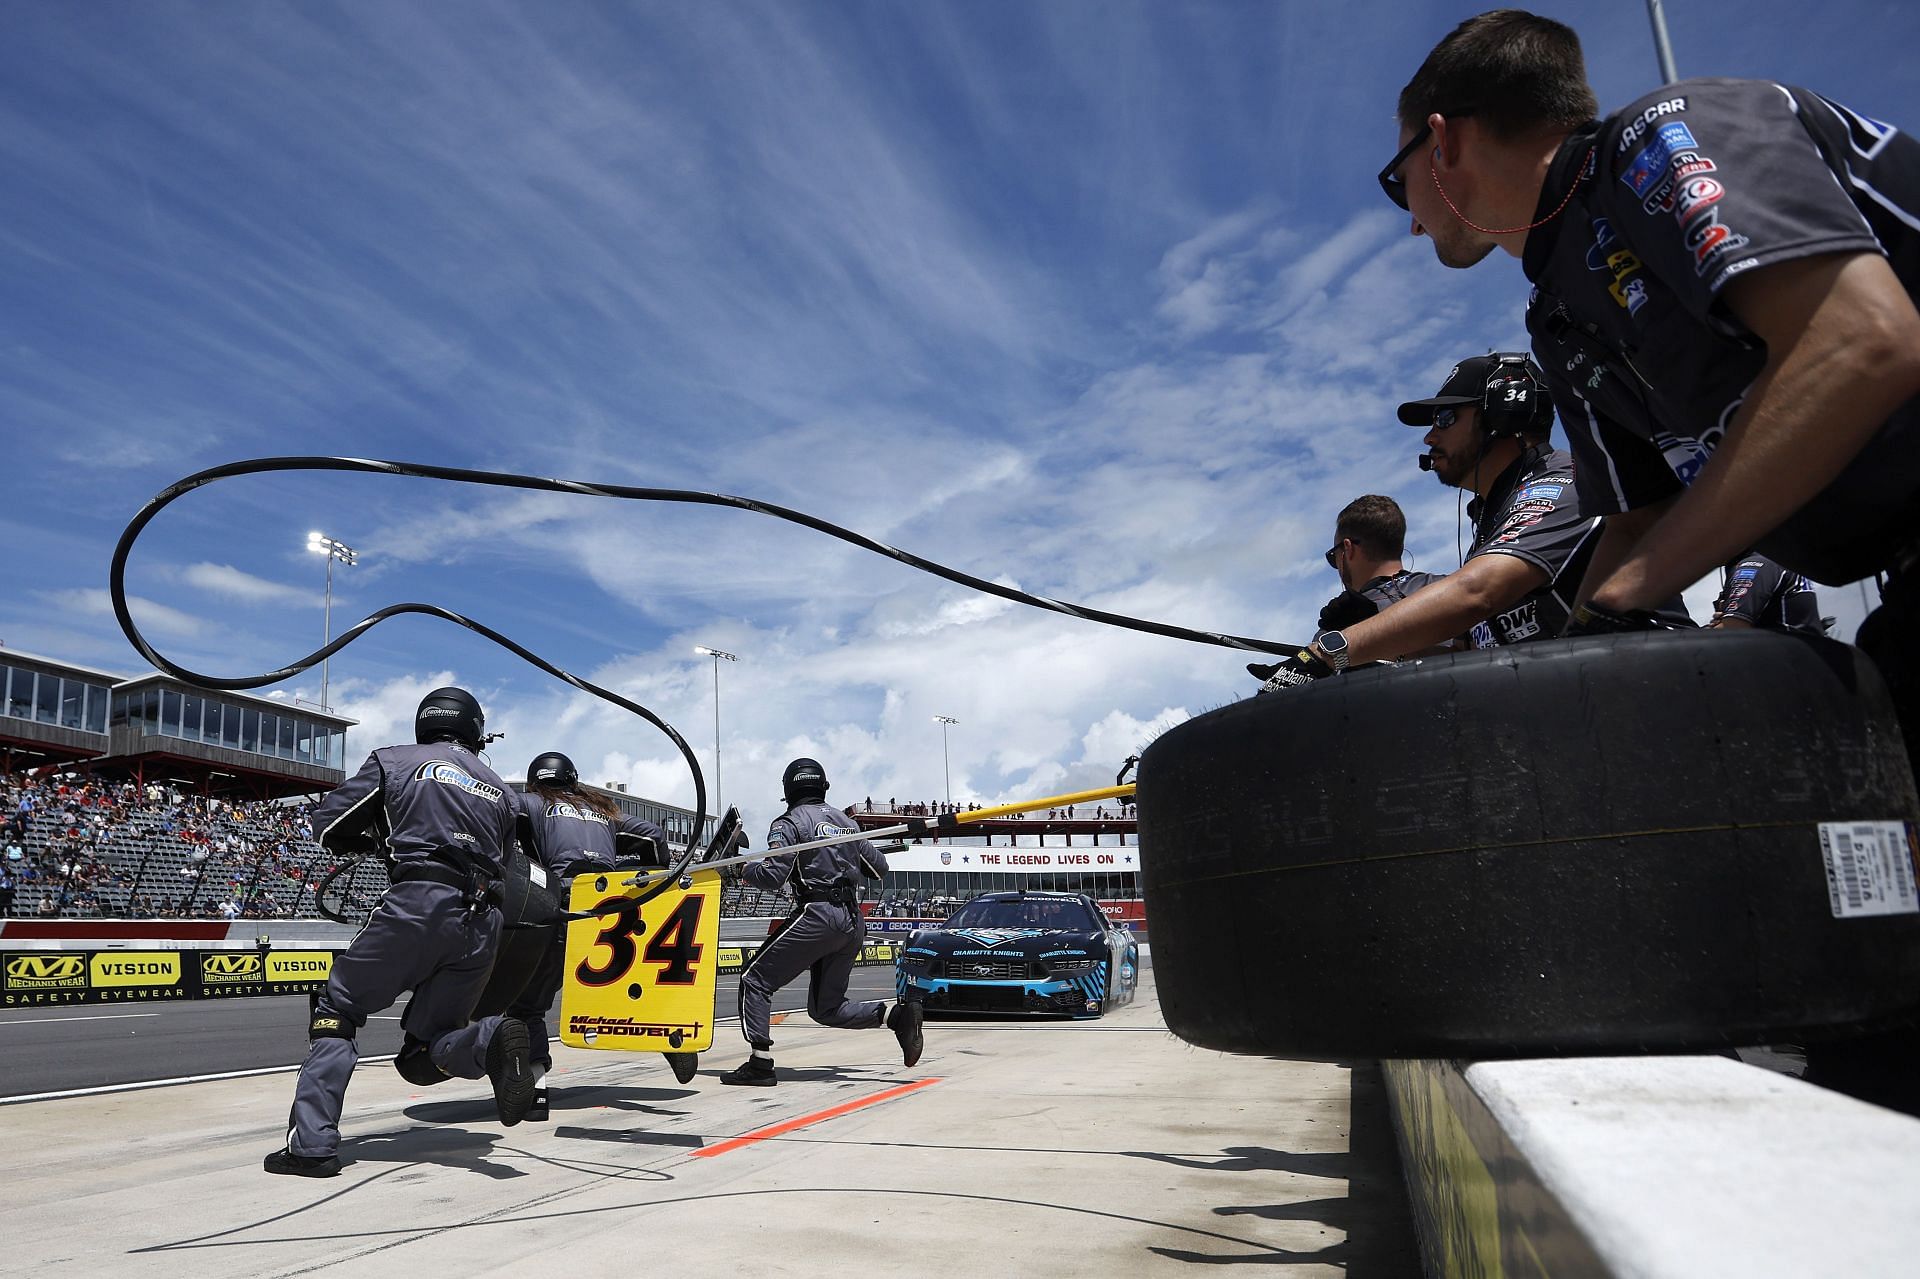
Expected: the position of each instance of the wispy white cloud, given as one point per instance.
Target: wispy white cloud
(1096, 299)
(230, 582)
(147, 614)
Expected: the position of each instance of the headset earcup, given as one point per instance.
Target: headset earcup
(1513, 399)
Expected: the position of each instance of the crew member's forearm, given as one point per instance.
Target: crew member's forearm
(1786, 444)
(1619, 534)
(1834, 378)
(1456, 603)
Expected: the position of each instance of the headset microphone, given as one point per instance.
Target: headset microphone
(1426, 461)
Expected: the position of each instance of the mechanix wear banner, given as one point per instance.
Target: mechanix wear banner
(47, 977)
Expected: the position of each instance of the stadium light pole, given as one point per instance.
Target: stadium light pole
(716, 655)
(946, 765)
(321, 544)
(1662, 47)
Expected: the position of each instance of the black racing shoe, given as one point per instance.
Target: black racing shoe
(287, 1164)
(1261, 671)
(510, 1067)
(754, 1072)
(684, 1065)
(905, 1021)
(537, 1108)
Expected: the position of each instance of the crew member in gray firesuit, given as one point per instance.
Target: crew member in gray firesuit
(444, 822)
(822, 934)
(576, 832)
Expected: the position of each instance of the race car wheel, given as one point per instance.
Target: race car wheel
(1647, 842)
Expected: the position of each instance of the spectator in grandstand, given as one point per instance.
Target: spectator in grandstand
(822, 935)
(572, 831)
(1489, 432)
(445, 822)
(1759, 592)
(1369, 541)
(7, 887)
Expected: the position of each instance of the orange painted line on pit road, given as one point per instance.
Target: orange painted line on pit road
(804, 1121)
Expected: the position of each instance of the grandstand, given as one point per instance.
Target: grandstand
(154, 728)
(149, 798)
(98, 846)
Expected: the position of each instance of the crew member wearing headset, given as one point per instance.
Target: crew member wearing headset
(445, 824)
(1369, 539)
(824, 932)
(1489, 431)
(574, 831)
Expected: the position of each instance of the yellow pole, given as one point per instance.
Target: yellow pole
(1051, 801)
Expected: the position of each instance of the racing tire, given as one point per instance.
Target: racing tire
(1601, 845)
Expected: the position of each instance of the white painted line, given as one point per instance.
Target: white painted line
(104, 1089)
(44, 1021)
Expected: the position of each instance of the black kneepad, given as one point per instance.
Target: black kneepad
(415, 1064)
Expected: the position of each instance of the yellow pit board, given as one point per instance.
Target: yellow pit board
(642, 983)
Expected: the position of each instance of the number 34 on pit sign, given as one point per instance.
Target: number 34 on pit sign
(642, 982)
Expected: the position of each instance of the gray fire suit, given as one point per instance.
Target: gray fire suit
(825, 930)
(572, 839)
(445, 820)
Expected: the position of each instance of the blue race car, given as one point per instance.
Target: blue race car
(1021, 952)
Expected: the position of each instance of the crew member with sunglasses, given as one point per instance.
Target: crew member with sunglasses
(1725, 277)
(1489, 432)
(1369, 539)
(1725, 274)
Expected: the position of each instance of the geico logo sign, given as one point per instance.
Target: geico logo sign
(230, 967)
(155, 968)
(34, 971)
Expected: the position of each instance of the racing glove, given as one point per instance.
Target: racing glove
(1597, 619)
(1297, 671)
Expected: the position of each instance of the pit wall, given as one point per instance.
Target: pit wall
(1650, 1166)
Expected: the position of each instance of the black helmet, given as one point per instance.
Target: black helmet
(552, 769)
(450, 714)
(804, 781)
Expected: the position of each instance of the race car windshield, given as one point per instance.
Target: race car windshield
(1067, 916)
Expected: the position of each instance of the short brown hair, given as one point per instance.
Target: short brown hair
(1514, 71)
(1375, 522)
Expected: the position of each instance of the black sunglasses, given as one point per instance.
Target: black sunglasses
(1390, 180)
(1331, 552)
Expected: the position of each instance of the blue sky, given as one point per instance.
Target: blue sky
(1100, 299)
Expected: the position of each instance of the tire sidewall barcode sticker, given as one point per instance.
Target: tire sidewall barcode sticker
(1870, 868)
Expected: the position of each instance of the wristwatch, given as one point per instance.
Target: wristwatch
(1334, 645)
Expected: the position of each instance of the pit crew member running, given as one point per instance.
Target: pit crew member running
(444, 821)
(823, 933)
(577, 832)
